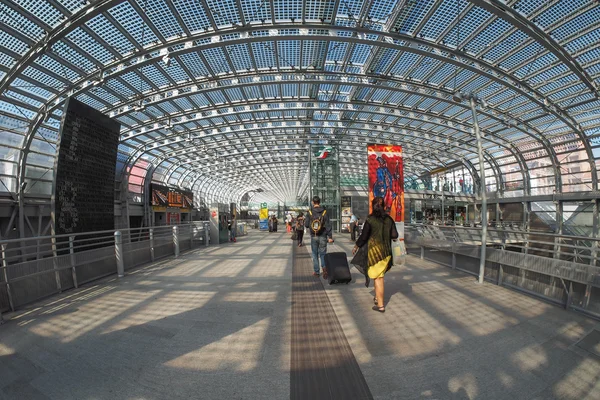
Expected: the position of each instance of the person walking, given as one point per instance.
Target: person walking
(377, 234)
(320, 233)
(232, 230)
(353, 227)
(300, 228)
(274, 223)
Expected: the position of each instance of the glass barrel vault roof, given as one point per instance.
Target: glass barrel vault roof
(224, 96)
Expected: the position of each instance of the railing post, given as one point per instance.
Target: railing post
(191, 236)
(151, 233)
(119, 254)
(8, 286)
(422, 253)
(73, 261)
(176, 240)
(206, 234)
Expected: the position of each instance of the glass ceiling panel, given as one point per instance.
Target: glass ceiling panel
(532, 79)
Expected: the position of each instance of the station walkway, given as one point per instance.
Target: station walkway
(247, 321)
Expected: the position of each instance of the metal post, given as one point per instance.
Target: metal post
(482, 189)
(422, 253)
(8, 286)
(191, 236)
(119, 254)
(73, 261)
(151, 233)
(176, 240)
(206, 234)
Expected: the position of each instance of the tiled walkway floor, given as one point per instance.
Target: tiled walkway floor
(216, 324)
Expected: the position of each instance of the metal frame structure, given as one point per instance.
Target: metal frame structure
(194, 83)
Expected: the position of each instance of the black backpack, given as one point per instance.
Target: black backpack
(316, 224)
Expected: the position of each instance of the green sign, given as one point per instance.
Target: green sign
(321, 153)
(263, 205)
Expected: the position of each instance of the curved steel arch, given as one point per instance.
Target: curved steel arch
(586, 144)
(365, 123)
(450, 60)
(377, 111)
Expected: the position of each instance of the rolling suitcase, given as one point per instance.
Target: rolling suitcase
(337, 267)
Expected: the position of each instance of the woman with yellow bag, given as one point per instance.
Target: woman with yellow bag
(373, 249)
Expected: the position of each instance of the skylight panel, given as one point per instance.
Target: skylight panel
(384, 59)
(256, 10)
(12, 43)
(175, 71)
(360, 54)
(252, 92)
(216, 60)
(90, 101)
(133, 23)
(515, 40)
(109, 98)
(289, 53)
(117, 86)
(5, 61)
(59, 69)
(240, 57)
(235, 94)
(412, 14)
(475, 85)
(590, 56)
(217, 97)
(498, 28)
(558, 12)
(193, 14)
(194, 63)
(287, 9)
(467, 25)
(441, 18)
(135, 80)
(111, 35)
(313, 51)
(224, 12)
(263, 54)
(155, 76)
(425, 67)
(43, 78)
(406, 61)
(336, 51)
(88, 45)
(528, 55)
(43, 11)
(183, 103)
(18, 22)
(161, 17)
(317, 9)
(76, 58)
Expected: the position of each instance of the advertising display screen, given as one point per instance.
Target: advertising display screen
(346, 205)
(386, 178)
(163, 196)
(84, 188)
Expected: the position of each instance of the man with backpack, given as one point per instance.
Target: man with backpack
(319, 225)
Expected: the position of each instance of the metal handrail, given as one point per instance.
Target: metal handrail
(88, 256)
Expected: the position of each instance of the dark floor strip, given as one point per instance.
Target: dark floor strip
(322, 365)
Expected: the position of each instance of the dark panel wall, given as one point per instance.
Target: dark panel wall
(85, 170)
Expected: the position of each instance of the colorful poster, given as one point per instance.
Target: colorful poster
(386, 178)
(264, 211)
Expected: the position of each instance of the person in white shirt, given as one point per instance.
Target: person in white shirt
(353, 227)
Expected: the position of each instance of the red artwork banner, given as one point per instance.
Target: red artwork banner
(386, 178)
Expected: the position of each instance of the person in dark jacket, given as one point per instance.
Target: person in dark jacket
(378, 232)
(300, 228)
(319, 237)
